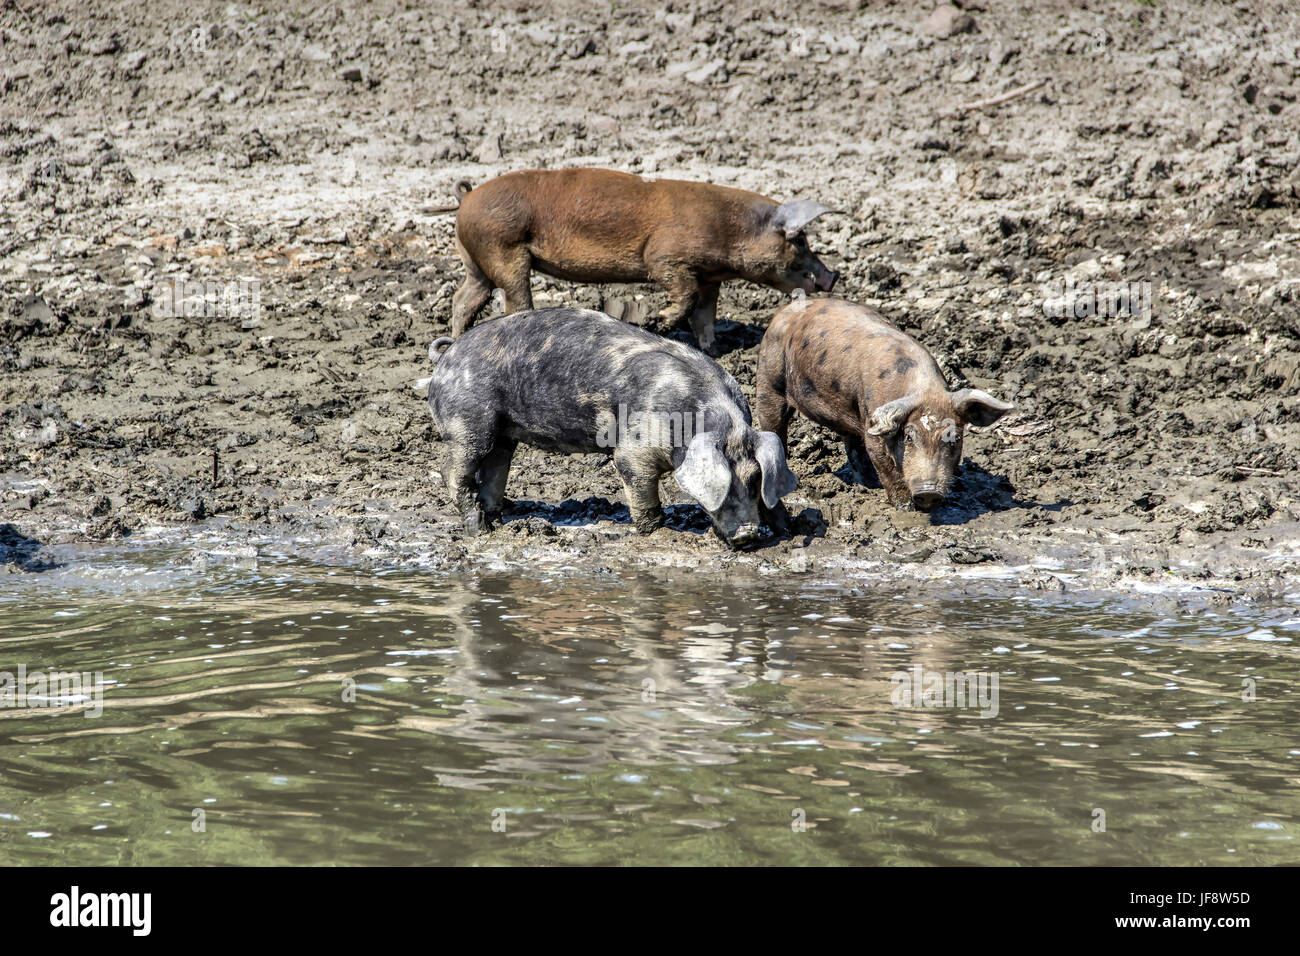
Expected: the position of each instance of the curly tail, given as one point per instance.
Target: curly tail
(436, 344)
(461, 189)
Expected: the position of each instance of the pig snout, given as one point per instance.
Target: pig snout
(817, 277)
(745, 535)
(927, 496)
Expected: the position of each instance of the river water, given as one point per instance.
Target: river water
(262, 710)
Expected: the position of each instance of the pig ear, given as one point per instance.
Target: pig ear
(889, 418)
(979, 408)
(778, 479)
(704, 473)
(792, 217)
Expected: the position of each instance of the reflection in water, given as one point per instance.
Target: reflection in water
(317, 716)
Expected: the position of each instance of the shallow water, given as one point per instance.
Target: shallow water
(588, 718)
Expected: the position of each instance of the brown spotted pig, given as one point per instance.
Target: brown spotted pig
(598, 225)
(847, 368)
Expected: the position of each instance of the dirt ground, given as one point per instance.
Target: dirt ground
(290, 154)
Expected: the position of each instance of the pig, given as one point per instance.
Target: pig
(847, 368)
(598, 225)
(582, 382)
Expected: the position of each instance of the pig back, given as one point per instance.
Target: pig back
(841, 360)
(558, 378)
(600, 225)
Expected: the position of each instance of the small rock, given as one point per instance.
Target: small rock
(103, 46)
(946, 21)
(112, 526)
(702, 75)
(194, 509)
(539, 34)
(1261, 197)
(974, 554)
(489, 150)
(580, 47)
(809, 521)
(1000, 54)
(133, 297)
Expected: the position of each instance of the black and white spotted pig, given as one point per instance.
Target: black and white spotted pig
(581, 382)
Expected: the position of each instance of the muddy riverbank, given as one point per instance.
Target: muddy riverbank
(274, 165)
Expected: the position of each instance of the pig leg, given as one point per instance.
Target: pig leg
(492, 475)
(472, 295)
(513, 280)
(640, 476)
(507, 268)
(887, 470)
(702, 317)
(467, 450)
(864, 473)
(772, 413)
(683, 290)
(778, 518)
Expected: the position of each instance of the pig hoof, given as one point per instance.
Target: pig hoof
(476, 523)
(649, 523)
(778, 521)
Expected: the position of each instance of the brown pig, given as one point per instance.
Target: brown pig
(598, 225)
(848, 369)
